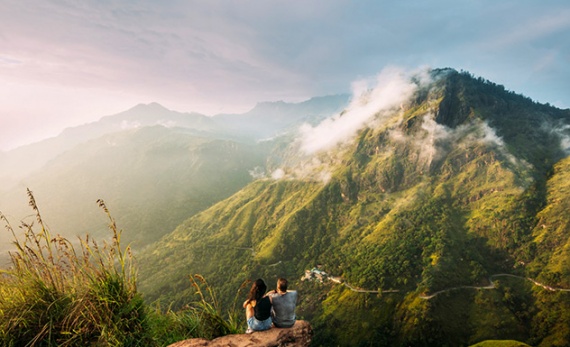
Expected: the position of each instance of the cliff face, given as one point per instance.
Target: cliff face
(297, 336)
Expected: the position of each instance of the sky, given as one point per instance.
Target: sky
(69, 62)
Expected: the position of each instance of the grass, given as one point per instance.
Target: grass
(59, 293)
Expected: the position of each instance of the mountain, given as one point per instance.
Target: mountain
(442, 219)
(153, 166)
(268, 119)
(26, 159)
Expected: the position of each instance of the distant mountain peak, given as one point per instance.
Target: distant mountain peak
(147, 108)
(311, 101)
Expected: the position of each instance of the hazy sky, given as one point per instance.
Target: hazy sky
(68, 62)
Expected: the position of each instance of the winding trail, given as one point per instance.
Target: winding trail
(491, 285)
(274, 264)
(359, 290)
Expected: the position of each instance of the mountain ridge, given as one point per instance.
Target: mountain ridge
(28, 158)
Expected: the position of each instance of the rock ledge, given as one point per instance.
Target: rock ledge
(298, 336)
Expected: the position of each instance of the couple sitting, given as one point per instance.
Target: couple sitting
(276, 308)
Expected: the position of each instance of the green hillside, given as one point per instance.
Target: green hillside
(153, 178)
(439, 212)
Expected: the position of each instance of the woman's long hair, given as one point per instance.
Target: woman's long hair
(257, 290)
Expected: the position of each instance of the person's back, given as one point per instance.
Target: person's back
(283, 305)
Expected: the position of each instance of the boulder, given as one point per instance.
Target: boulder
(297, 336)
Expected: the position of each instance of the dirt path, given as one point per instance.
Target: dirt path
(359, 290)
(491, 285)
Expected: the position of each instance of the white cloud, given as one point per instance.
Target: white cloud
(437, 138)
(278, 174)
(490, 136)
(166, 123)
(257, 173)
(434, 132)
(126, 125)
(565, 143)
(8, 61)
(563, 132)
(393, 87)
(533, 28)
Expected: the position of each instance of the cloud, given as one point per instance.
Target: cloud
(476, 132)
(490, 136)
(219, 56)
(126, 125)
(166, 123)
(393, 87)
(435, 132)
(534, 28)
(437, 139)
(278, 174)
(257, 173)
(313, 170)
(565, 143)
(563, 132)
(8, 61)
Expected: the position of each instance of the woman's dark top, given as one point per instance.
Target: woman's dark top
(262, 309)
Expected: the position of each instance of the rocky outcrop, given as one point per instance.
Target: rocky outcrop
(298, 336)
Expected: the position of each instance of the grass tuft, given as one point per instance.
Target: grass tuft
(59, 293)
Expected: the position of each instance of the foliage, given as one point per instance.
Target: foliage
(202, 318)
(54, 295)
(57, 293)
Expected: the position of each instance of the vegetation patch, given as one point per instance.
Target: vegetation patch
(59, 293)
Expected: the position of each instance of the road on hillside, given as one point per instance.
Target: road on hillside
(491, 285)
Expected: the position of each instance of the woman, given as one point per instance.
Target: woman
(257, 308)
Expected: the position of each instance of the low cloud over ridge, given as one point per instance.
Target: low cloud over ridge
(393, 86)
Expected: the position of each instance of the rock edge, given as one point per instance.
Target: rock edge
(297, 336)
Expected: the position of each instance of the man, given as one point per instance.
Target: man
(283, 305)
